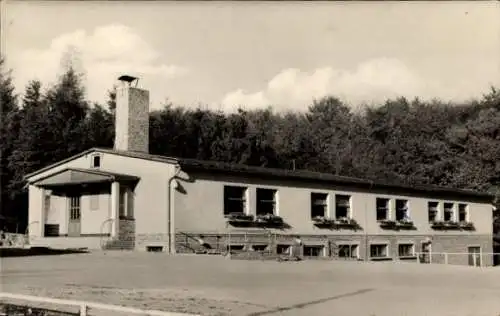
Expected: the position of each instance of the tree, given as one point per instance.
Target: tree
(9, 119)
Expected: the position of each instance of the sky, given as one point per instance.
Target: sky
(255, 54)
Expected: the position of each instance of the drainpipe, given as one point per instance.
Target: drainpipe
(171, 208)
(367, 248)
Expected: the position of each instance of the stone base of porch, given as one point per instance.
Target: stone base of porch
(89, 242)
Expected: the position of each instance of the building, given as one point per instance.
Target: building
(126, 198)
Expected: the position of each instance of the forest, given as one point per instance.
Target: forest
(400, 141)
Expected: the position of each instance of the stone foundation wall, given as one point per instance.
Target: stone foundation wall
(190, 243)
(143, 241)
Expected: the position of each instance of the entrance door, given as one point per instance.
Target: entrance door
(474, 256)
(425, 257)
(74, 224)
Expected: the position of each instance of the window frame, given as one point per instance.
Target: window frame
(412, 250)
(93, 160)
(326, 211)
(243, 200)
(387, 249)
(350, 245)
(259, 202)
(321, 253)
(406, 210)
(436, 216)
(349, 205)
(451, 211)
(466, 211)
(387, 208)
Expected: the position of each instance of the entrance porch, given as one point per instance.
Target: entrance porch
(82, 208)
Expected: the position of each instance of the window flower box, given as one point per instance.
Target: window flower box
(443, 225)
(346, 222)
(466, 225)
(405, 223)
(451, 224)
(269, 219)
(323, 221)
(239, 219)
(437, 225)
(387, 224)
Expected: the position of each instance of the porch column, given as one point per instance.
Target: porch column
(115, 206)
(43, 211)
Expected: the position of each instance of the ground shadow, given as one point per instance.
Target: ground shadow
(302, 305)
(38, 251)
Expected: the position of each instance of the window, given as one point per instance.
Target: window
(406, 250)
(96, 161)
(448, 212)
(382, 209)
(154, 248)
(342, 206)
(94, 202)
(235, 247)
(463, 215)
(348, 251)
(378, 251)
(319, 205)
(259, 247)
(283, 249)
(402, 210)
(314, 251)
(74, 208)
(234, 199)
(432, 211)
(266, 201)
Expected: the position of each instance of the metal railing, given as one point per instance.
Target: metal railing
(86, 308)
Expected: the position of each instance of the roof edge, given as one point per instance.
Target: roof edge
(136, 155)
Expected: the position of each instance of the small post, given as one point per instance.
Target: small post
(445, 258)
(83, 309)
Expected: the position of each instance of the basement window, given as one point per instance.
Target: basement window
(259, 247)
(348, 251)
(406, 250)
(154, 248)
(283, 249)
(96, 161)
(235, 247)
(314, 251)
(379, 251)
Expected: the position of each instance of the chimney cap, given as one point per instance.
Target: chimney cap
(129, 79)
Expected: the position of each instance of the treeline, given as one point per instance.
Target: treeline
(400, 141)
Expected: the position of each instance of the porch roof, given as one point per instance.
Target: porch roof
(73, 176)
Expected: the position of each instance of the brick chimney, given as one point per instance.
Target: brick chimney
(131, 117)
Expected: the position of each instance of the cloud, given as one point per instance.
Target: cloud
(103, 55)
(374, 80)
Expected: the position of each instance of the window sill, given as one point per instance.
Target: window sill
(380, 259)
(408, 258)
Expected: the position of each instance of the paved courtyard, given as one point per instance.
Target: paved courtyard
(214, 285)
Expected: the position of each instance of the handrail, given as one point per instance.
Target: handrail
(85, 306)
